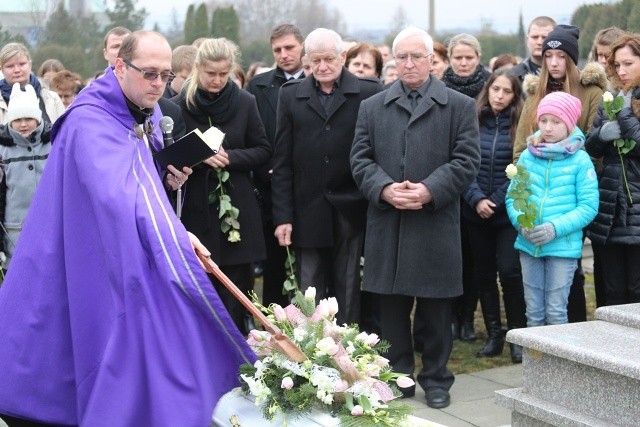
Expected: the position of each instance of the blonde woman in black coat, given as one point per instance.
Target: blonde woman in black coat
(210, 98)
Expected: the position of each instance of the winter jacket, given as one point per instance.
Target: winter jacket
(618, 220)
(491, 182)
(593, 81)
(22, 163)
(565, 190)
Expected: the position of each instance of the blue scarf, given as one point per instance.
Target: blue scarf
(6, 87)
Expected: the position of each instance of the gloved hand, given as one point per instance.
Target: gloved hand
(542, 234)
(610, 131)
(526, 233)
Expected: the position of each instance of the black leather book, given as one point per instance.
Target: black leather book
(191, 149)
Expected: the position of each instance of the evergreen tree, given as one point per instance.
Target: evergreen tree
(522, 46)
(6, 38)
(225, 23)
(201, 22)
(60, 28)
(125, 14)
(189, 25)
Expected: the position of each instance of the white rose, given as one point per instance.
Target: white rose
(310, 293)
(327, 346)
(323, 308)
(607, 97)
(511, 171)
(333, 306)
(299, 334)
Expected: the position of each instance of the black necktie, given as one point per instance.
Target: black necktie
(414, 95)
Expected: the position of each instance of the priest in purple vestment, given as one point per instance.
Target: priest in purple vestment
(106, 316)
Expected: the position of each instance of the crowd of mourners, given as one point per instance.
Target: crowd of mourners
(396, 157)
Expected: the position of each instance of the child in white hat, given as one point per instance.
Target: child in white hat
(24, 149)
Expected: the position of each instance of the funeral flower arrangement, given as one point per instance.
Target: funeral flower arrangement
(344, 373)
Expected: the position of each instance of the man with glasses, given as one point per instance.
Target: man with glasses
(113, 42)
(107, 315)
(416, 149)
(317, 207)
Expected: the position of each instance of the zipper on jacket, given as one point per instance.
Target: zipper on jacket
(493, 154)
(543, 199)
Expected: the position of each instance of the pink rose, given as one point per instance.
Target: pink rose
(405, 382)
(357, 411)
(279, 313)
(287, 383)
(372, 340)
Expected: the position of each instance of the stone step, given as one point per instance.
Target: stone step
(531, 411)
(625, 315)
(592, 368)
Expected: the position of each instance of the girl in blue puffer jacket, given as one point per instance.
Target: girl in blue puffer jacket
(564, 187)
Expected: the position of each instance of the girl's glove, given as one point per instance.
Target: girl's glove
(526, 233)
(541, 234)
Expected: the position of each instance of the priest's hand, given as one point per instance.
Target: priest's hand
(198, 247)
(176, 179)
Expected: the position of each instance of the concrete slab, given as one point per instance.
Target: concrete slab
(472, 399)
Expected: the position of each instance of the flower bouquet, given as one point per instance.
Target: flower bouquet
(344, 372)
(519, 191)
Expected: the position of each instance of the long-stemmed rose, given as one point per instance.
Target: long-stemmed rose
(520, 193)
(612, 106)
(227, 213)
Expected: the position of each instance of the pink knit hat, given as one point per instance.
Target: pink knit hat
(562, 105)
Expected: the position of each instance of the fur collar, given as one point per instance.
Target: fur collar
(592, 74)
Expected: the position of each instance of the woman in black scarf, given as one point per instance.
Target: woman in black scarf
(230, 228)
(466, 75)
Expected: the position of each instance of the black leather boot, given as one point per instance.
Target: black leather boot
(490, 303)
(516, 353)
(467, 332)
(515, 308)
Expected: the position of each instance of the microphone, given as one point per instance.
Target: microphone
(166, 126)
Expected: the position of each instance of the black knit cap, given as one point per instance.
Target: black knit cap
(565, 38)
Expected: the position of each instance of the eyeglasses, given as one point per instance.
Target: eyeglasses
(415, 57)
(152, 75)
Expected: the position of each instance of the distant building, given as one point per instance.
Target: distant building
(28, 17)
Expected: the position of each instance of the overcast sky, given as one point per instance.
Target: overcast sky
(450, 14)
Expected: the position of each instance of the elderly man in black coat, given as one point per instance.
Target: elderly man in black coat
(416, 149)
(317, 206)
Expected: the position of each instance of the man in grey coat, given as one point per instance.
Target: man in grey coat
(416, 148)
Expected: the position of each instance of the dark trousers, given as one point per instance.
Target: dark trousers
(395, 325)
(273, 269)
(577, 302)
(19, 422)
(620, 266)
(465, 305)
(242, 276)
(335, 271)
(494, 256)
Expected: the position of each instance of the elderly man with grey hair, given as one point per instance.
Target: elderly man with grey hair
(416, 149)
(317, 206)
